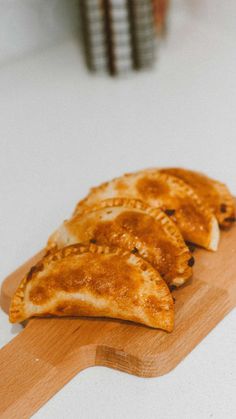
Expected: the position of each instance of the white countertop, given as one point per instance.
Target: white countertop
(63, 130)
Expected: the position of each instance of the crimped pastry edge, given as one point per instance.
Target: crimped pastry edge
(222, 190)
(180, 186)
(17, 311)
(160, 216)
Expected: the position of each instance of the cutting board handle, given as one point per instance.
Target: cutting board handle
(49, 352)
(40, 360)
(32, 372)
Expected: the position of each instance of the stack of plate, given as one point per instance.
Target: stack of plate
(118, 35)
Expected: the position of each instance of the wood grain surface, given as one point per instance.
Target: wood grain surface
(49, 352)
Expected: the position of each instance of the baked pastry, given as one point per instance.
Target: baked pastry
(94, 281)
(214, 194)
(132, 225)
(194, 219)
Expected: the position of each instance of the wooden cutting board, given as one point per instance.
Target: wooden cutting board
(49, 352)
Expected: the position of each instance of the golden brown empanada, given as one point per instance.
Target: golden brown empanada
(93, 281)
(195, 220)
(215, 194)
(134, 226)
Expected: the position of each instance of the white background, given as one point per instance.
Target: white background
(30, 25)
(63, 130)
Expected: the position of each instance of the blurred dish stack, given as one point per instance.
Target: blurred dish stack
(120, 35)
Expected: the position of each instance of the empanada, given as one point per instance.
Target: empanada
(134, 226)
(215, 194)
(93, 281)
(195, 221)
